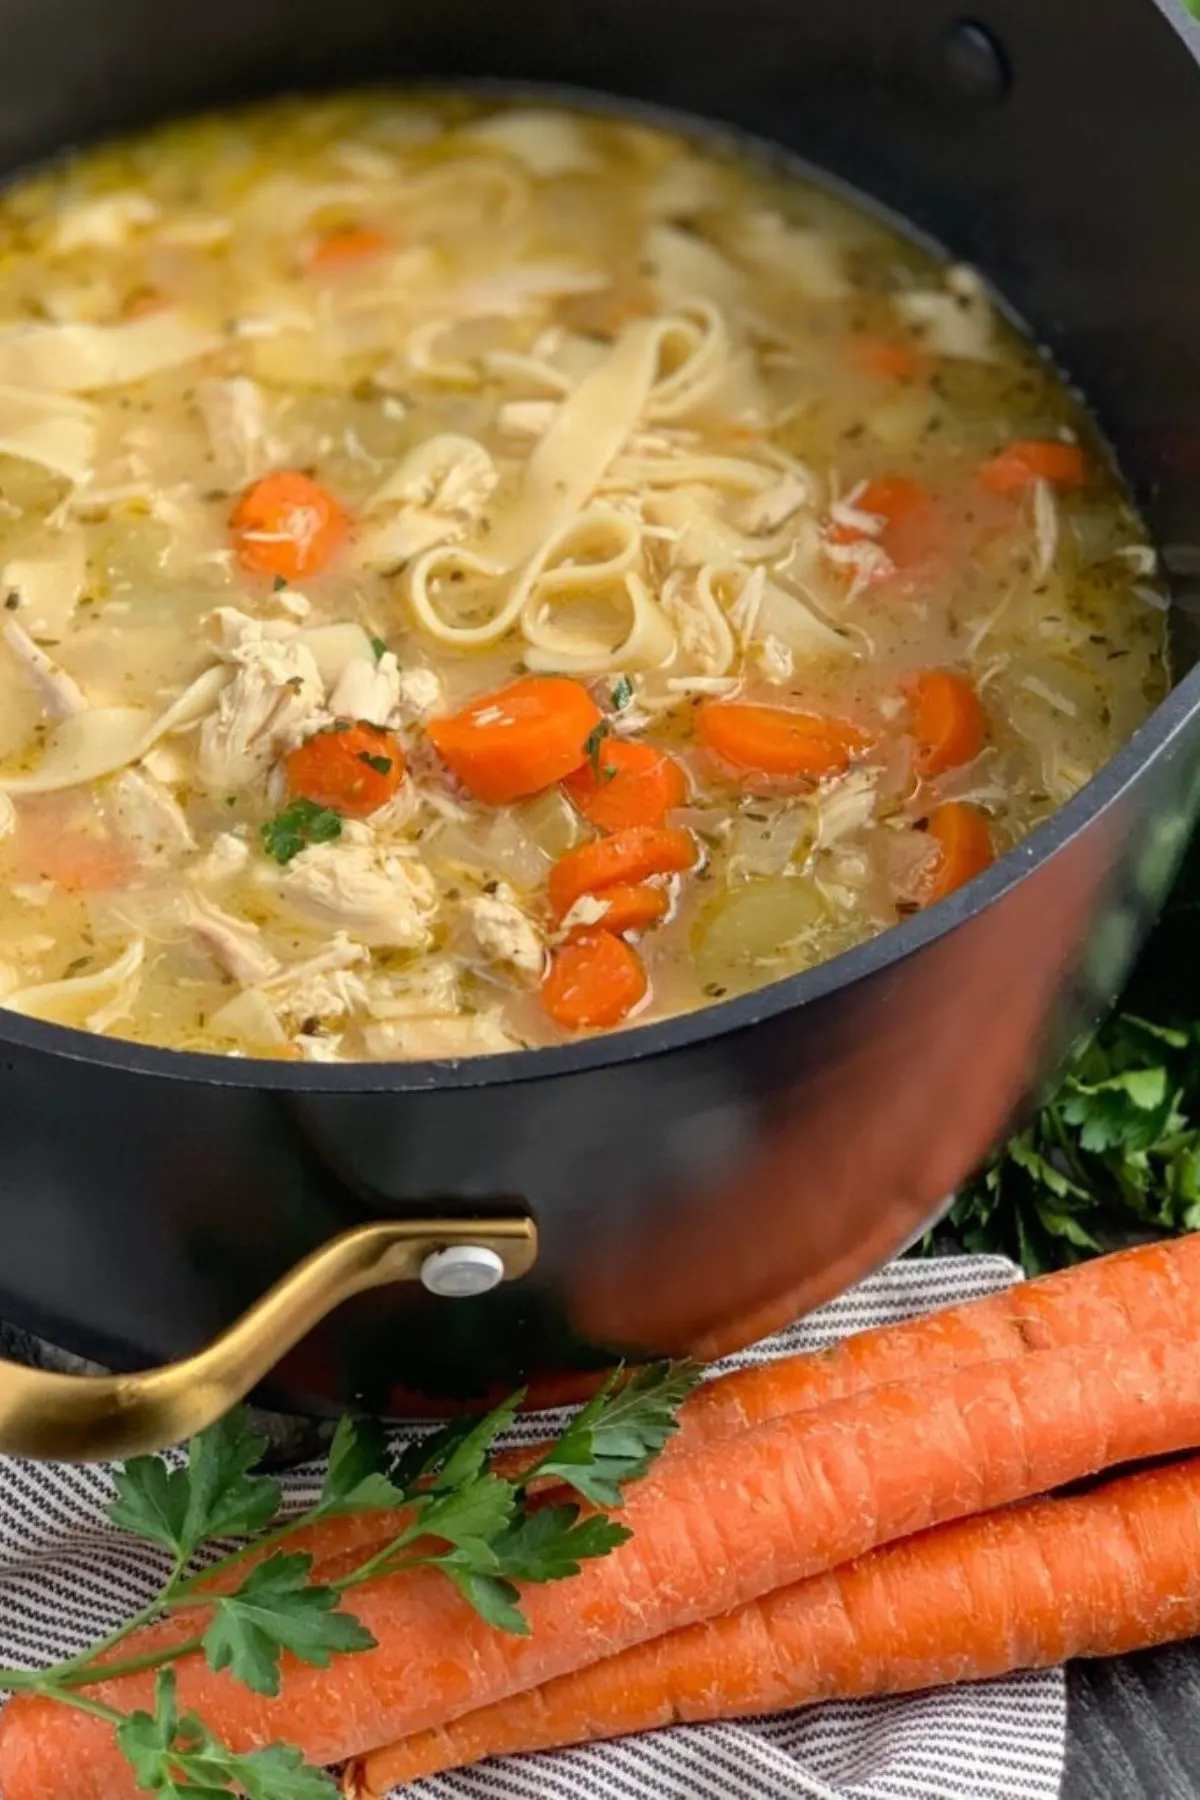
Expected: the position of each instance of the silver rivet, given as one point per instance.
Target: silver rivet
(462, 1270)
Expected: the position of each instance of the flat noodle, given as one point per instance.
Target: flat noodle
(80, 359)
(648, 640)
(594, 558)
(547, 143)
(107, 738)
(94, 1002)
(48, 586)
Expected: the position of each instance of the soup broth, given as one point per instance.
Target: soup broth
(474, 575)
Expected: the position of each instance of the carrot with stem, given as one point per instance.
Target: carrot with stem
(712, 1531)
(964, 1602)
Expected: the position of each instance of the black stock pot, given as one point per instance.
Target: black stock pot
(683, 1186)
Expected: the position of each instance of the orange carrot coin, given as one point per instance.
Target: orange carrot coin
(628, 908)
(519, 740)
(627, 784)
(947, 720)
(593, 981)
(964, 842)
(287, 525)
(774, 741)
(1034, 459)
(626, 858)
(354, 769)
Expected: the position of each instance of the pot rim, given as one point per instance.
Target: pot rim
(635, 1043)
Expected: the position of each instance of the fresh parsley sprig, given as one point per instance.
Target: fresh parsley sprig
(452, 1512)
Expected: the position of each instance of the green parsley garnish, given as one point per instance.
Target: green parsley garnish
(279, 584)
(457, 1516)
(592, 746)
(297, 826)
(382, 765)
(379, 646)
(622, 693)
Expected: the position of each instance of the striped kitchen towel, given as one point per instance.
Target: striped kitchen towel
(67, 1577)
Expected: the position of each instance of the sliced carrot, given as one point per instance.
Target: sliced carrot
(355, 769)
(797, 1497)
(628, 908)
(347, 248)
(885, 358)
(947, 720)
(774, 741)
(892, 1622)
(593, 981)
(624, 858)
(627, 784)
(964, 843)
(287, 525)
(519, 740)
(909, 531)
(1034, 459)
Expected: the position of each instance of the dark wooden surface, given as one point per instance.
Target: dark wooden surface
(1134, 1728)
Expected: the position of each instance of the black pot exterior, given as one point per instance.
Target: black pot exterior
(697, 1182)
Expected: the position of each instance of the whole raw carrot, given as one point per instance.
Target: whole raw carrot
(964, 1602)
(712, 1531)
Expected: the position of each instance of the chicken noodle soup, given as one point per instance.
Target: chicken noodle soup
(477, 575)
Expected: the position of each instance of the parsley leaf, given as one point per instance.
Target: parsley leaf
(618, 1434)
(214, 1496)
(493, 1598)
(379, 646)
(592, 745)
(279, 584)
(297, 826)
(551, 1543)
(275, 1609)
(357, 1479)
(382, 765)
(470, 1514)
(622, 693)
(177, 1756)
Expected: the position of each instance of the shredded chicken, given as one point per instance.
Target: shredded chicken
(767, 510)
(504, 933)
(61, 695)
(235, 417)
(369, 691)
(236, 944)
(226, 857)
(421, 693)
(276, 690)
(322, 986)
(149, 816)
(361, 887)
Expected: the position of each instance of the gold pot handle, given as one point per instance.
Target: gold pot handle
(95, 1418)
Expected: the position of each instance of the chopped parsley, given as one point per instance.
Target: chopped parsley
(622, 694)
(382, 765)
(379, 646)
(592, 746)
(279, 584)
(297, 826)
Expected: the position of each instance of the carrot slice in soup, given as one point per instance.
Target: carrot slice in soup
(1034, 459)
(625, 858)
(628, 908)
(519, 740)
(355, 769)
(594, 981)
(909, 530)
(947, 720)
(347, 249)
(772, 740)
(885, 358)
(287, 525)
(964, 842)
(628, 784)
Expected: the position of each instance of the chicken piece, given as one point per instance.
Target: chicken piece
(227, 857)
(271, 699)
(767, 510)
(61, 696)
(104, 223)
(322, 986)
(232, 632)
(148, 815)
(322, 1047)
(429, 987)
(357, 885)
(469, 1034)
(369, 691)
(504, 933)
(422, 695)
(235, 418)
(236, 944)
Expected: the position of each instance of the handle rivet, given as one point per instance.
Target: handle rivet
(462, 1270)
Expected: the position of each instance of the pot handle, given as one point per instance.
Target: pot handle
(97, 1418)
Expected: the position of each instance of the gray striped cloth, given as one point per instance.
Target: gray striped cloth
(66, 1578)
